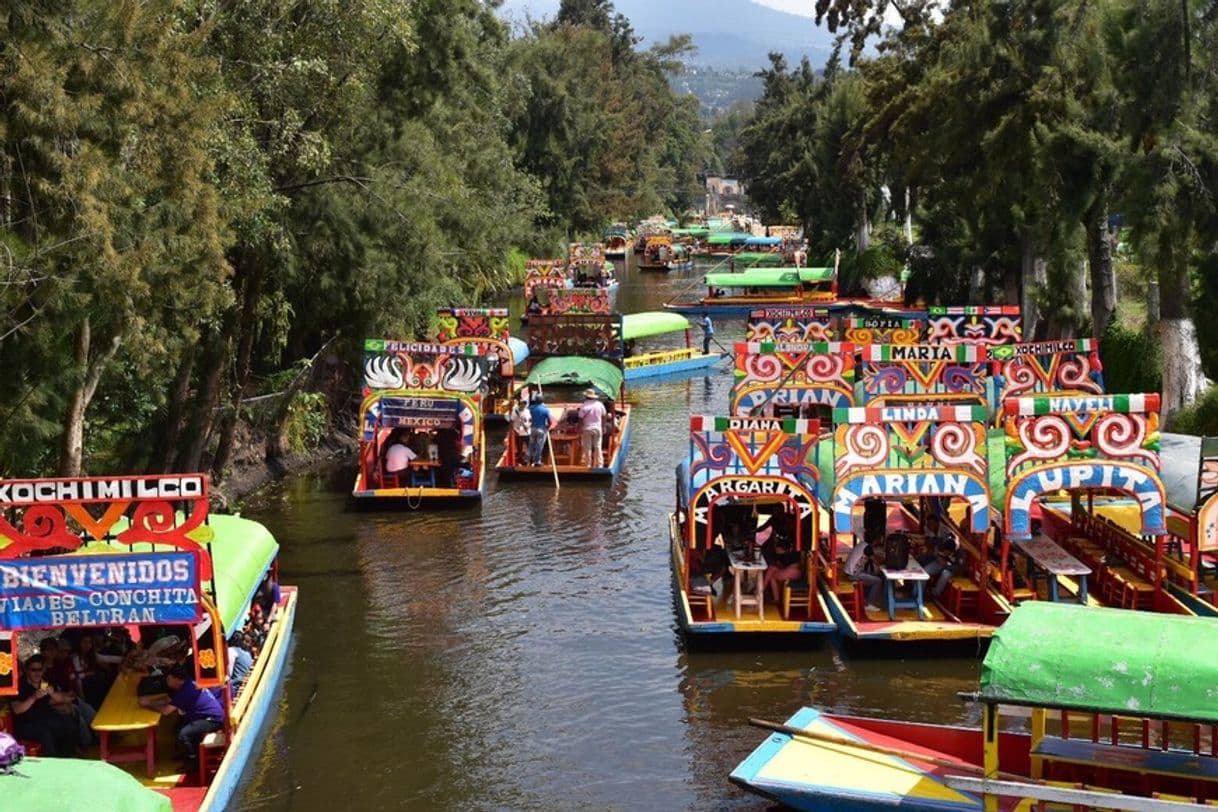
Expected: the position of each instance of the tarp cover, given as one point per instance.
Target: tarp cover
(769, 277)
(1119, 661)
(578, 371)
(652, 323)
(70, 783)
(520, 349)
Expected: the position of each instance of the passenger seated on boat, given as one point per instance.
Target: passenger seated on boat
(448, 451)
(200, 711)
(711, 571)
(240, 662)
(782, 566)
(42, 712)
(943, 557)
(398, 453)
(864, 564)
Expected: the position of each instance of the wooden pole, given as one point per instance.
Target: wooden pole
(887, 751)
(550, 445)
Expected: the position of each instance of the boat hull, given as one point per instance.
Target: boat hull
(249, 732)
(634, 373)
(816, 777)
(902, 630)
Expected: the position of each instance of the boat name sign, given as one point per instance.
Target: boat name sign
(1104, 475)
(909, 483)
(99, 590)
(749, 486)
(15, 493)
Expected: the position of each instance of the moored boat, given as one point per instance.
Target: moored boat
(656, 362)
(660, 253)
(738, 293)
(190, 576)
(1080, 708)
(746, 502)
(487, 327)
(422, 441)
(617, 241)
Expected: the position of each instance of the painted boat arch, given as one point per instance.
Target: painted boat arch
(1138, 481)
(885, 482)
(792, 375)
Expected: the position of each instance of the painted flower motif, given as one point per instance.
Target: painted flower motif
(207, 658)
(6, 663)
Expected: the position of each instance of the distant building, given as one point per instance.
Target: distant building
(723, 195)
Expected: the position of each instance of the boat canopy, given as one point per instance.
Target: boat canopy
(95, 784)
(1118, 661)
(769, 277)
(573, 370)
(692, 231)
(241, 552)
(754, 241)
(652, 323)
(727, 237)
(520, 349)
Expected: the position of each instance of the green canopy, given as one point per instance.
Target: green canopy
(241, 552)
(652, 323)
(692, 231)
(1118, 661)
(571, 370)
(769, 277)
(760, 258)
(70, 783)
(726, 237)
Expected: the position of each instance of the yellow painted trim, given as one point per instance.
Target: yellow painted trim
(1038, 734)
(651, 359)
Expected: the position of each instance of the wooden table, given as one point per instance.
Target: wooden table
(739, 567)
(913, 572)
(121, 712)
(1045, 554)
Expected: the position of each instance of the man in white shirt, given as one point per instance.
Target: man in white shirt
(591, 421)
(399, 456)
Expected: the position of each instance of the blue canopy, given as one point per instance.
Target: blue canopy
(520, 350)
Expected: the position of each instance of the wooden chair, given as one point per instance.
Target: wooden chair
(798, 594)
(7, 723)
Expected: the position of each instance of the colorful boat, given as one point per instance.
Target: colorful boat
(569, 352)
(427, 399)
(1191, 562)
(656, 362)
(744, 475)
(1086, 468)
(975, 324)
(909, 374)
(917, 460)
(1080, 709)
(660, 253)
(617, 241)
(560, 381)
(793, 380)
(141, 552)
(739, 293)
(486, 327)
(798, 324)
(587, 267)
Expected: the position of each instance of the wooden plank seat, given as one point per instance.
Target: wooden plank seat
(701, 598)
(962, 595)
(1172, 763)
(798, 594)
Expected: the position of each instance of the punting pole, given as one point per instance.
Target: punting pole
(550, 444)
(888, 751)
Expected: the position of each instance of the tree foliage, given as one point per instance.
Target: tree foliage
(195, 194)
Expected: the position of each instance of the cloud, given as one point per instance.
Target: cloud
(804, 8)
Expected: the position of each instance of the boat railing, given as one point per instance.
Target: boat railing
(1065, 794)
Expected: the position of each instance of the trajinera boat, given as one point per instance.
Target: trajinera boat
(1080, 709)
(572, 357)
(422, 440)
(139, 557)
(746, 500)
(659, 361)
(660, 253)
(617, 241)
(736, 294)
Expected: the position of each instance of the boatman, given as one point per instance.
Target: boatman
(708, 332)
(539, 418)
(200, 711)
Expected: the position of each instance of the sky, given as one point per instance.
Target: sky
(804, 8)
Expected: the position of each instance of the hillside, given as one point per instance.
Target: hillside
(730, 34)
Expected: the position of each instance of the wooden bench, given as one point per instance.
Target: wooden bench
(1100, 755)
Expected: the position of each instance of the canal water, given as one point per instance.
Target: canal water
(524, 655)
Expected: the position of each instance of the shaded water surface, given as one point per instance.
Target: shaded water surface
(523, 655)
